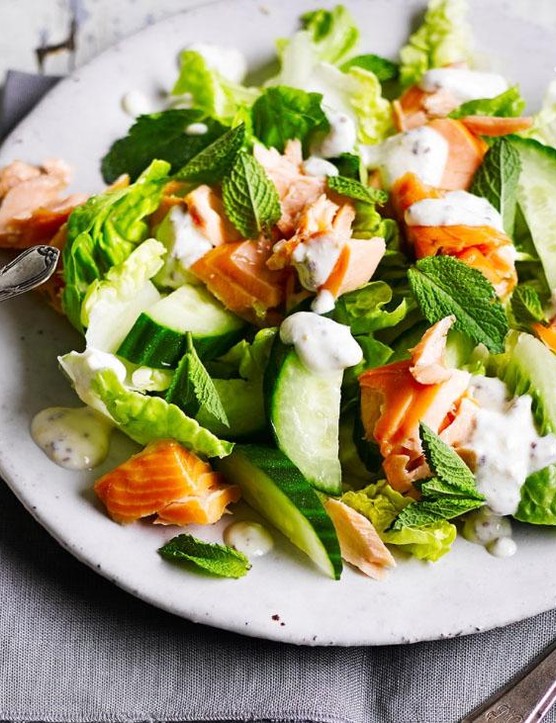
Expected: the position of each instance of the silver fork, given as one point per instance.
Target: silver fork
(27, 271)
(525, 700)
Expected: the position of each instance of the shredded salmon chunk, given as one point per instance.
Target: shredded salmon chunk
(32, 208)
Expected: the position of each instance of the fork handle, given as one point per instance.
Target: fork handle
(526, 701)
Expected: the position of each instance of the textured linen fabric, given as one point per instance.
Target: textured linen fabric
(76, 649)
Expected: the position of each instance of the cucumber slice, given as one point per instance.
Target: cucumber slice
(158, 337)
(535, 195)
(304, 413)
(529, 367)
(274, 487)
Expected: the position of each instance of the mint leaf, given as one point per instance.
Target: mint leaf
(212, 163)
(250, 198)
(497, 179)
(162, 136)
(192, 388)
(507, 104)
(281, 113)
(427, 512)
(383, 68)
(216, 559)
(349, 165)
(451, 492)
(526, 306)
(453, 476)
(443, 285)
(356, 190)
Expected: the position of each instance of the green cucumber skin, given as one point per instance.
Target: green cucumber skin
(150, 344)
(280, 355)
(268, 467)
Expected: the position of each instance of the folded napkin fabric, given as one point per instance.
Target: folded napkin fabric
(76, 649)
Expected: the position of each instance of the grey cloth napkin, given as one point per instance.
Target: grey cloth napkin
(74, 648)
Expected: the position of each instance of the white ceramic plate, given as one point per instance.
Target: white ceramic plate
(283, 597)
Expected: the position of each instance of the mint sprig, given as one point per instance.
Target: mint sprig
(215, 161)
(497, 179)
(443, 286)
(250, 198)
(452, 475)
(356, 190)
(162, 136)
(211, 557)
(192, 388)
(451, 492)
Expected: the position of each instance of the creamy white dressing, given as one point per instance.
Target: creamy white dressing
(341, 137)
(323, 345)
(230, 63)
(185, 245)
(135, 103)
(315, 166)
(315, 260)
(72, 438)
(251, 538)
(196, 129)
(494, 532)
(422, 151)
(507, 446)
(454, 209)
(323, 302)
(464, 84)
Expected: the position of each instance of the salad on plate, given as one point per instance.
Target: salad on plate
(328, 297)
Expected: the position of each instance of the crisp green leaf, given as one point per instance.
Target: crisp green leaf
(383, 68)
(219, 560)
(497, 179)
(209, 90)
(356, 190)
(526, 306)
(144, 418)
(282, 113)
(443, 38)
(444, 286)
(192, 388)
(250, 198)
(103, 231)
(212, 163)
(159, 135)
(381, 504)
(507, 104)
(538, 498)
(364, 310)
(333, 32)
(453, 476)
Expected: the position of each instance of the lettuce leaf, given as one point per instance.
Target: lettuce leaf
(104, 231)
(211, 92)
(381, 504)
(333, 33)
(145, 418)
(544, 122)
(508, 104)
(309, 64)
(538, 498)
(443, 38)
(111, 306)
